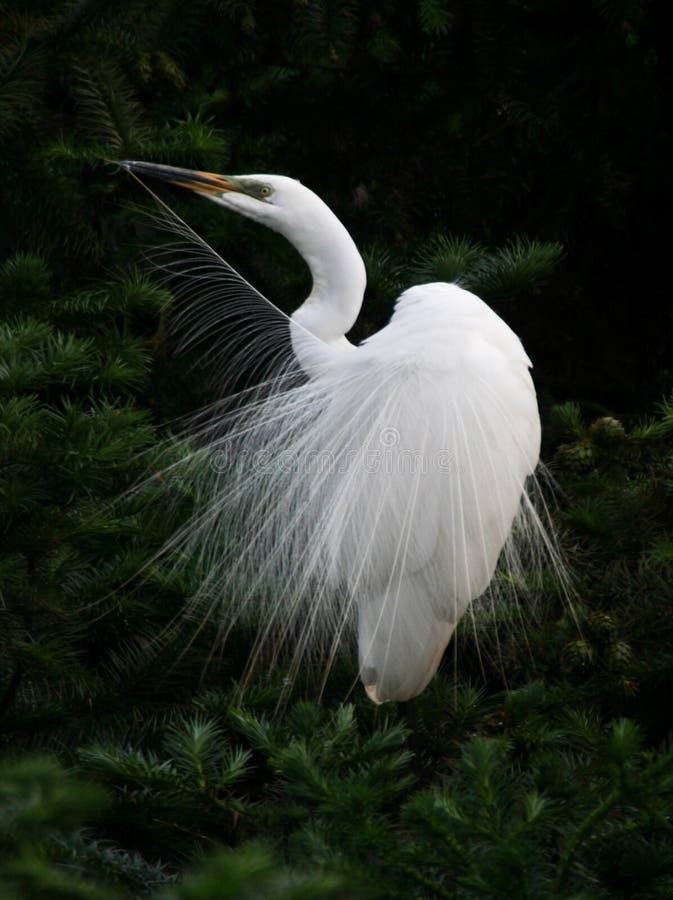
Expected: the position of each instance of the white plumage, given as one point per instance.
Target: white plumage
(380, 488)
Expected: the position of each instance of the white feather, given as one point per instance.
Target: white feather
(376, 493)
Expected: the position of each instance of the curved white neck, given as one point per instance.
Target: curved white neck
(337, 270)
(338, 275)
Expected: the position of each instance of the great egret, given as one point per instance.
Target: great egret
(382, 484)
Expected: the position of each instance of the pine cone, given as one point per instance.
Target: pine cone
(608, 429)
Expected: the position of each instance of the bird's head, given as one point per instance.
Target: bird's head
(279, 202)
(286, 206)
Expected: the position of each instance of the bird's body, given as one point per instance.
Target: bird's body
(436, 425)
(403, 461)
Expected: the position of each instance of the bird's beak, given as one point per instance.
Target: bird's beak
(201, 182)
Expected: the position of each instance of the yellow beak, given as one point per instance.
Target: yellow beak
(201, 182)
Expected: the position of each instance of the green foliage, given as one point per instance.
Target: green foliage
(252, 872)
(539, 804)
(47, 854)
(520, 266)
(189, 783)
(40, 812)
(435, 17)
(72, 440)
(621, 516)
(447, 259)
(494, 826)
(438, 132)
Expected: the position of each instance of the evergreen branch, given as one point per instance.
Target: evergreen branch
(584, 829)
(110, 114)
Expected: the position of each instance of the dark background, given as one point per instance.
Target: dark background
(538, 763)
(481, 118)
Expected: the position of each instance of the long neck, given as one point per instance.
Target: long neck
(338, 275)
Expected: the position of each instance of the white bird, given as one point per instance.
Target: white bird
(378, 489)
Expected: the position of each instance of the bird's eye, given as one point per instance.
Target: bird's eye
(265, 190)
